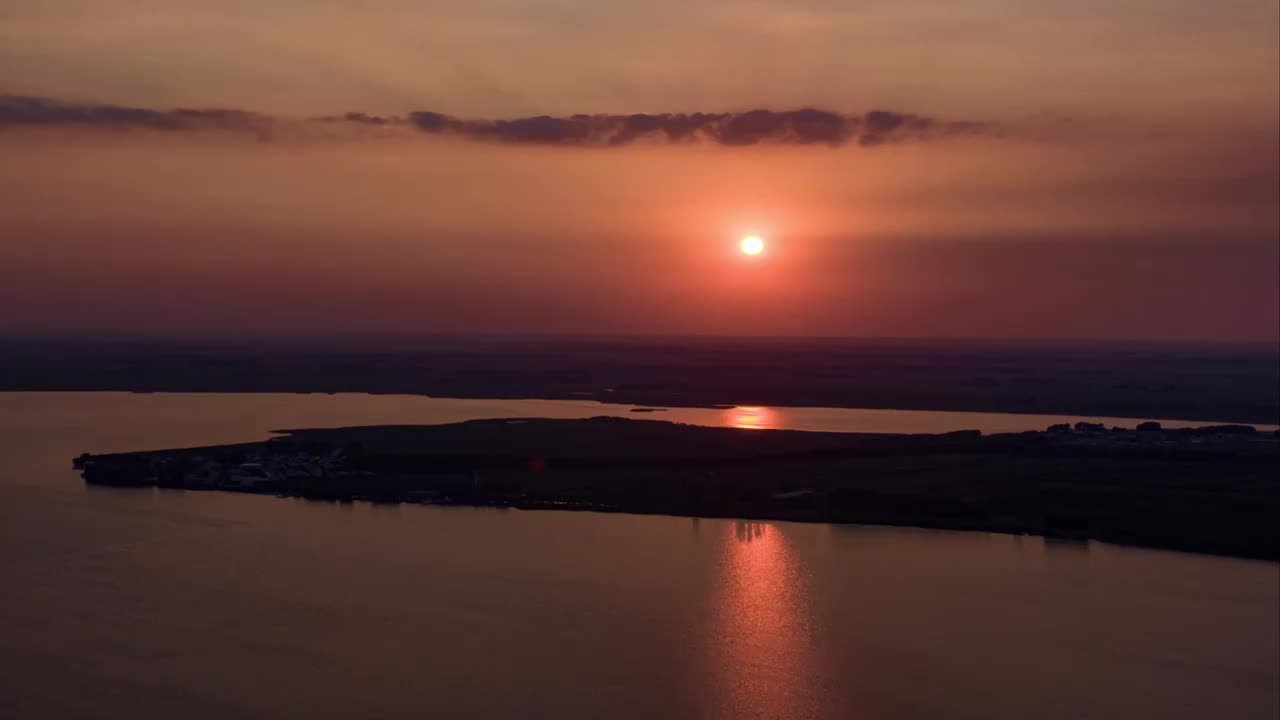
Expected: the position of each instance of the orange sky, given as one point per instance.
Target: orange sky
(1127, 187)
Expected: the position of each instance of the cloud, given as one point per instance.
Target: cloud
(17, 110)
(360, 118)
(794, 127)
(806, 126)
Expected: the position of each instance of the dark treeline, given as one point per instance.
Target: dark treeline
(1209, 383)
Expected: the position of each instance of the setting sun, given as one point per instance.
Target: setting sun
(752, 245)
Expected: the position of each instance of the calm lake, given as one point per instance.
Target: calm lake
(150, 603)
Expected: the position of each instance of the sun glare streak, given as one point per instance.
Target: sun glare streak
(750, 417)
(763, 661)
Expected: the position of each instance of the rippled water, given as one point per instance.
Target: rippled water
(148, 603)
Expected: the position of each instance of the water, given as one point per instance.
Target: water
(168, 420)
(148, 603)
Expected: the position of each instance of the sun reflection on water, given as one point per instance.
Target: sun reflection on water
(762, 660)
(751, 417)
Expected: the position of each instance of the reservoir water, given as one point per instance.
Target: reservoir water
(149, 603)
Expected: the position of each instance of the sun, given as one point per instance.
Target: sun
(752, 245)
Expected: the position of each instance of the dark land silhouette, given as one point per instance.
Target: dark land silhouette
(1212, 383)
(1213, 489)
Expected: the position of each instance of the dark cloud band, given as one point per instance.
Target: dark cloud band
(794, 127)
(34, 111)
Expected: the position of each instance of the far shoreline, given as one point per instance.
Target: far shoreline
(1194, 384)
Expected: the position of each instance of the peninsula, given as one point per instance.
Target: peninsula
(1214, 489)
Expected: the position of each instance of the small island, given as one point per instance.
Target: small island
(1213, 489)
